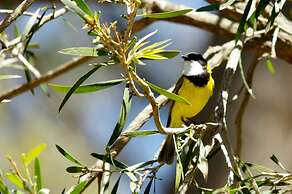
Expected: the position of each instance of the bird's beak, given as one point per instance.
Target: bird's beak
(184, 57)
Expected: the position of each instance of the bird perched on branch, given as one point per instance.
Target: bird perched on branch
(195, 85)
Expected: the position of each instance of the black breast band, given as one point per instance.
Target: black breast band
(199, 80)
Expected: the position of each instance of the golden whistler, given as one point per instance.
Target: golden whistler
(196, 85)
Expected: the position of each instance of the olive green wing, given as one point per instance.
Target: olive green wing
(175, 90)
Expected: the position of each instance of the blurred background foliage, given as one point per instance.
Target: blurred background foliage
(85, 124)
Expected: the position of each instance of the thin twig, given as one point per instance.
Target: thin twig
(243, 105)
(8, 11)
(150, 97)
(16, 13)
(44, 78)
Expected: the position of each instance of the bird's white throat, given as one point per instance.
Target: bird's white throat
(192, 68)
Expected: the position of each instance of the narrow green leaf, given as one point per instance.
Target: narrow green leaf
(77, 84)
(74, 7)
(84, 51)
(3, 77)
(277, 161)
(243, 20)
(37, 174)
(86, 88)
(116, 186)
(3, 187)
(168, 94)
(258, 168)
(140, 165)
(132, 42)
(68, 155)
(148, 187)
(113, 162)
(168, 14)
(178, 176)
(30, 23)
(211, 7)
(79, 188)
(277, 8)
(249, 90)
(270, 66)
(125, 108)
(27, 158)
(84, 7)
(169, 54)
(140, 133)
(14, 179)
(75, 169)
(16, 31)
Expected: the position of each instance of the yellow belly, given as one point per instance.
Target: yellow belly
(197, 96)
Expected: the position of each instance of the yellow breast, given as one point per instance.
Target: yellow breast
(197, 96)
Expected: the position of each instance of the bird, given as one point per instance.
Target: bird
(196, 85)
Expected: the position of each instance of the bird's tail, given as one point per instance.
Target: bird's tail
(167, 152)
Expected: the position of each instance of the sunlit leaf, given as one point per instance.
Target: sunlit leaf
(169, 14)
(270, 66)
(14, 179)
(77, 84)
(37, 174)
(168, 94)
(3, 77)
(113, 162)
(68, 155)
(84, 51)
(125, 108)
(27, 158)
(86, 88)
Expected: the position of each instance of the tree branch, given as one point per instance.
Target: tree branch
(44, 78)
(16, 13)
(223, 27)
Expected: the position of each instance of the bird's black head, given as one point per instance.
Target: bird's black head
(193, 56)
